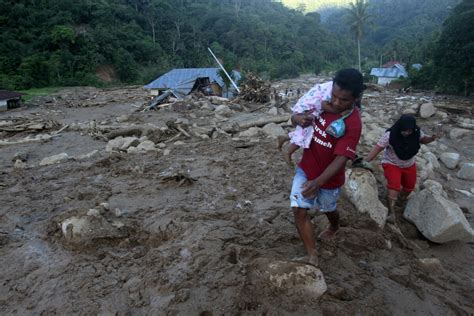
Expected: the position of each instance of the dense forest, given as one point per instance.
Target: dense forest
(86, 42)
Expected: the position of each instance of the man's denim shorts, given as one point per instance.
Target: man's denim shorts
(325, 200)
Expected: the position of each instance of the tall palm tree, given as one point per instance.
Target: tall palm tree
(358, 17)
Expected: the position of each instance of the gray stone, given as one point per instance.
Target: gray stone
(19, 164)
(87, 156)
(88, 229)
(437, 218)
(450, 160)
(274, 130)
(54, 159)
(218, 100)
(361, 190)
(467, 171)
(427, 110)
(430, 157)
(409, 111)
(147, 145)
(115, 144)
(273, 111)
(457, 133)
(129, 142)
(251, 132)
(208, 106)
(224, 110)
(435, 187)
(236, 107)
(286, 278)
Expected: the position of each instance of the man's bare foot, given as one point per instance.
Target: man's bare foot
(310, 259)
(313, 259)
(281, 140)
(328, 234)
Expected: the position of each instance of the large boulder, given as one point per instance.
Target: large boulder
(427, 110)
(467, 171)
(284, 279)
(450, 160)
(437, 218)
(361, 190)
(91, 228)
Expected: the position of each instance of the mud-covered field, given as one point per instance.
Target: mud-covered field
(190, 228)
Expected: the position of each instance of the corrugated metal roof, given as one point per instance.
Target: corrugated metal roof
(395, 71)
(7, 95)
(182, 80)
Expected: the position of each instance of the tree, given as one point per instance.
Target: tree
(358, 17)
(454, 54)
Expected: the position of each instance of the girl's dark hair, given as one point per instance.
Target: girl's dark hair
(350, 79)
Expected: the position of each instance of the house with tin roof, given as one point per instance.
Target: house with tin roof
(386, 75)
(183, 81)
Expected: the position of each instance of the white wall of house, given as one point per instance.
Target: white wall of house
(385, 80)
(3, 105)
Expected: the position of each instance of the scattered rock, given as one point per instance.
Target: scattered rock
(457, 133)
(251, 132)
(270, 277)
(450, 160)
(427, 110)
(88, 229)
(54, 159)
(437, 218)
(87, 156)
(430, 157)
(224, 110)
(467, 171)
(430, 265)
(361, 189)
(19, 164)
(274, 130)
(273, 111)
(435, 187)
(147, 145)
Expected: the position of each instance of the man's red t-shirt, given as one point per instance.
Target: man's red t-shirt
(324, 148)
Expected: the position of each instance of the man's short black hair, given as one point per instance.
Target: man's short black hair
(350, 79)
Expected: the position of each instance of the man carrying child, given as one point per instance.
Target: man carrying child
(320, 173)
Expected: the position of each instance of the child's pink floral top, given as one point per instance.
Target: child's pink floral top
(311, 101)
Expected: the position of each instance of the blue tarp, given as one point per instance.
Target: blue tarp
(182, 80)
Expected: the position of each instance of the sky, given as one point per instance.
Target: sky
(312, 5)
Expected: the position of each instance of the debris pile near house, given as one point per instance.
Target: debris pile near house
(255, 89)
(21, 124)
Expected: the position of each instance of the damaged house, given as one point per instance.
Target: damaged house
(181, 82)
(9, 100)
(387, 75)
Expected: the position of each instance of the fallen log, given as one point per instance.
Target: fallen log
(234, 127)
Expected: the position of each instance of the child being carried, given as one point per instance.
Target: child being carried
(313, 103)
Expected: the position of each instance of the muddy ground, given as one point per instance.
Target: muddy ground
(192, 247)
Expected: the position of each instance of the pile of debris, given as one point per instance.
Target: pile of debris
(255, 89)
(21, 124)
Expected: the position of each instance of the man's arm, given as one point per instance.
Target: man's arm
(302, 119)
(311, 187)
